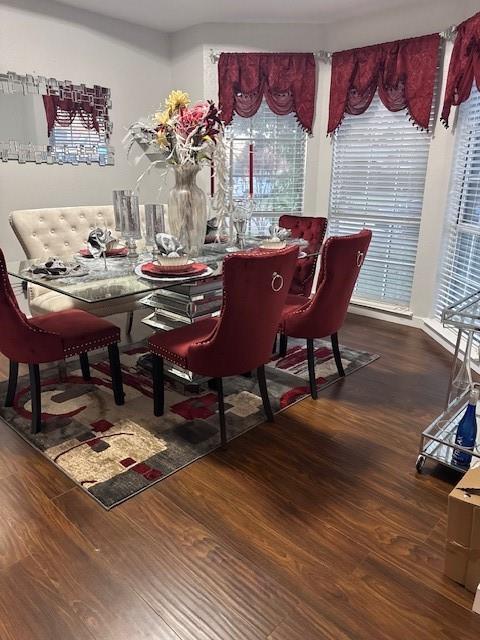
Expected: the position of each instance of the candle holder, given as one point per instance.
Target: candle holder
(241, 215)
(117, 210)
(154, 223)
(125, 203)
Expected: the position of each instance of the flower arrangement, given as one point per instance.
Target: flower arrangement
(183, 133)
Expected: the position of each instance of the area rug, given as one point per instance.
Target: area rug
(115, 452)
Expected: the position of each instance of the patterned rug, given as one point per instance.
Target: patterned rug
(115, 452)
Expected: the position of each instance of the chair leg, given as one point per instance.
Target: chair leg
(116, 374)
(158, 386)
(36, 398)
(311, 367)
(12, 383)
(62, 370)
(129, 324)
(274, 348)
(221, 413)
(262, 383)
(84, 364)
(337, 355)
(282, 352)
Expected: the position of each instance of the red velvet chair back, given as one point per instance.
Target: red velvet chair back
(342, 258)
(255, 287)
(20, 341)
(313, 230)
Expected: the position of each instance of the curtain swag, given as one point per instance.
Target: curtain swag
(403, 72)
(285, 80)
(464, 66)
(63, 113)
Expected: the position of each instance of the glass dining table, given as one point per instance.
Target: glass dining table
(99, 280)
(173, 302)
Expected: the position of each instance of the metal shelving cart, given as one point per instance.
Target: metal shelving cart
(437, 441)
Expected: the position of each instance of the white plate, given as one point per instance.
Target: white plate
(140, 274)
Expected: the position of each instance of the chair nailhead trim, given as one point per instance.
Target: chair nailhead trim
(89, 346)
(168, 355)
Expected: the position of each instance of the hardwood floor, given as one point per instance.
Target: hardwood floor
(313, 527)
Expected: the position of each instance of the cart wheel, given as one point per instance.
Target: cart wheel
(419, 463)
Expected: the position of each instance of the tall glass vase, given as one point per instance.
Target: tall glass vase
(187, 209)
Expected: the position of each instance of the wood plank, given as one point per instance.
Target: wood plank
(69, 563)
(32, 608)
(157, 573)
(232, 577)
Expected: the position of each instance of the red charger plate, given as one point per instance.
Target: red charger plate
(111, 253)
(193, 269)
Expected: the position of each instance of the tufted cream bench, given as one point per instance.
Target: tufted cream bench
(61, 232)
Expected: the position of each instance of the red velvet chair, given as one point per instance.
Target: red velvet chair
(255, 290)
(313, 230)
(48, 338)
(324, 314)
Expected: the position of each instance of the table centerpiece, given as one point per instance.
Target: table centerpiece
(183, 136)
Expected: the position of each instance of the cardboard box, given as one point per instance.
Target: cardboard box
(462, 555)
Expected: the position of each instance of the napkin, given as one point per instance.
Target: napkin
(51, 267)
(99, 241)
(169, 245)
(278, 234)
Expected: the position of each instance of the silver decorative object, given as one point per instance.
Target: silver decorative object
(278, 234)
(117, 206)
(154, 224)
(187, 209)
(128, 212)
(33, 88)
(220, 202)
(240, 218)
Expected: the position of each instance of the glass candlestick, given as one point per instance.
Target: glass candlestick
(117, 206)
(240, 218)
(154, 223)
(130, 223)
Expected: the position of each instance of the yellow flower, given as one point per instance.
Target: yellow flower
(162, 117)
(162, 139)
(176, 100)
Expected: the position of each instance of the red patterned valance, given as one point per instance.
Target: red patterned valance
(464, 66)
(63, 112)
(403, 72)
(285, 80)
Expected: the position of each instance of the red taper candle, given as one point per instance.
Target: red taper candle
(250, 170)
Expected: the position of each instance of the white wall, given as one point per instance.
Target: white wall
(45, 38)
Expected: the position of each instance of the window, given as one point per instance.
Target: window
(460, 272)
(378, 179)
(278, 165)
(76, 143)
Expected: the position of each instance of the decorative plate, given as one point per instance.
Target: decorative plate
(115, 252)
(170, 277)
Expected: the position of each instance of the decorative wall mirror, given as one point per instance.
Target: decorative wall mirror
(46, 120)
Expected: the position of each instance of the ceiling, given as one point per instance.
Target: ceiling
(179, 14)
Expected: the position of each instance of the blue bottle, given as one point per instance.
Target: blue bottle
(466, 432)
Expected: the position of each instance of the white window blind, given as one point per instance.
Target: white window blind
(378, 179)
(279, 145)
(460, 271)
(77, 143)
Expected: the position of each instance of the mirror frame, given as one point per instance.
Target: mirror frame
(98, 97)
